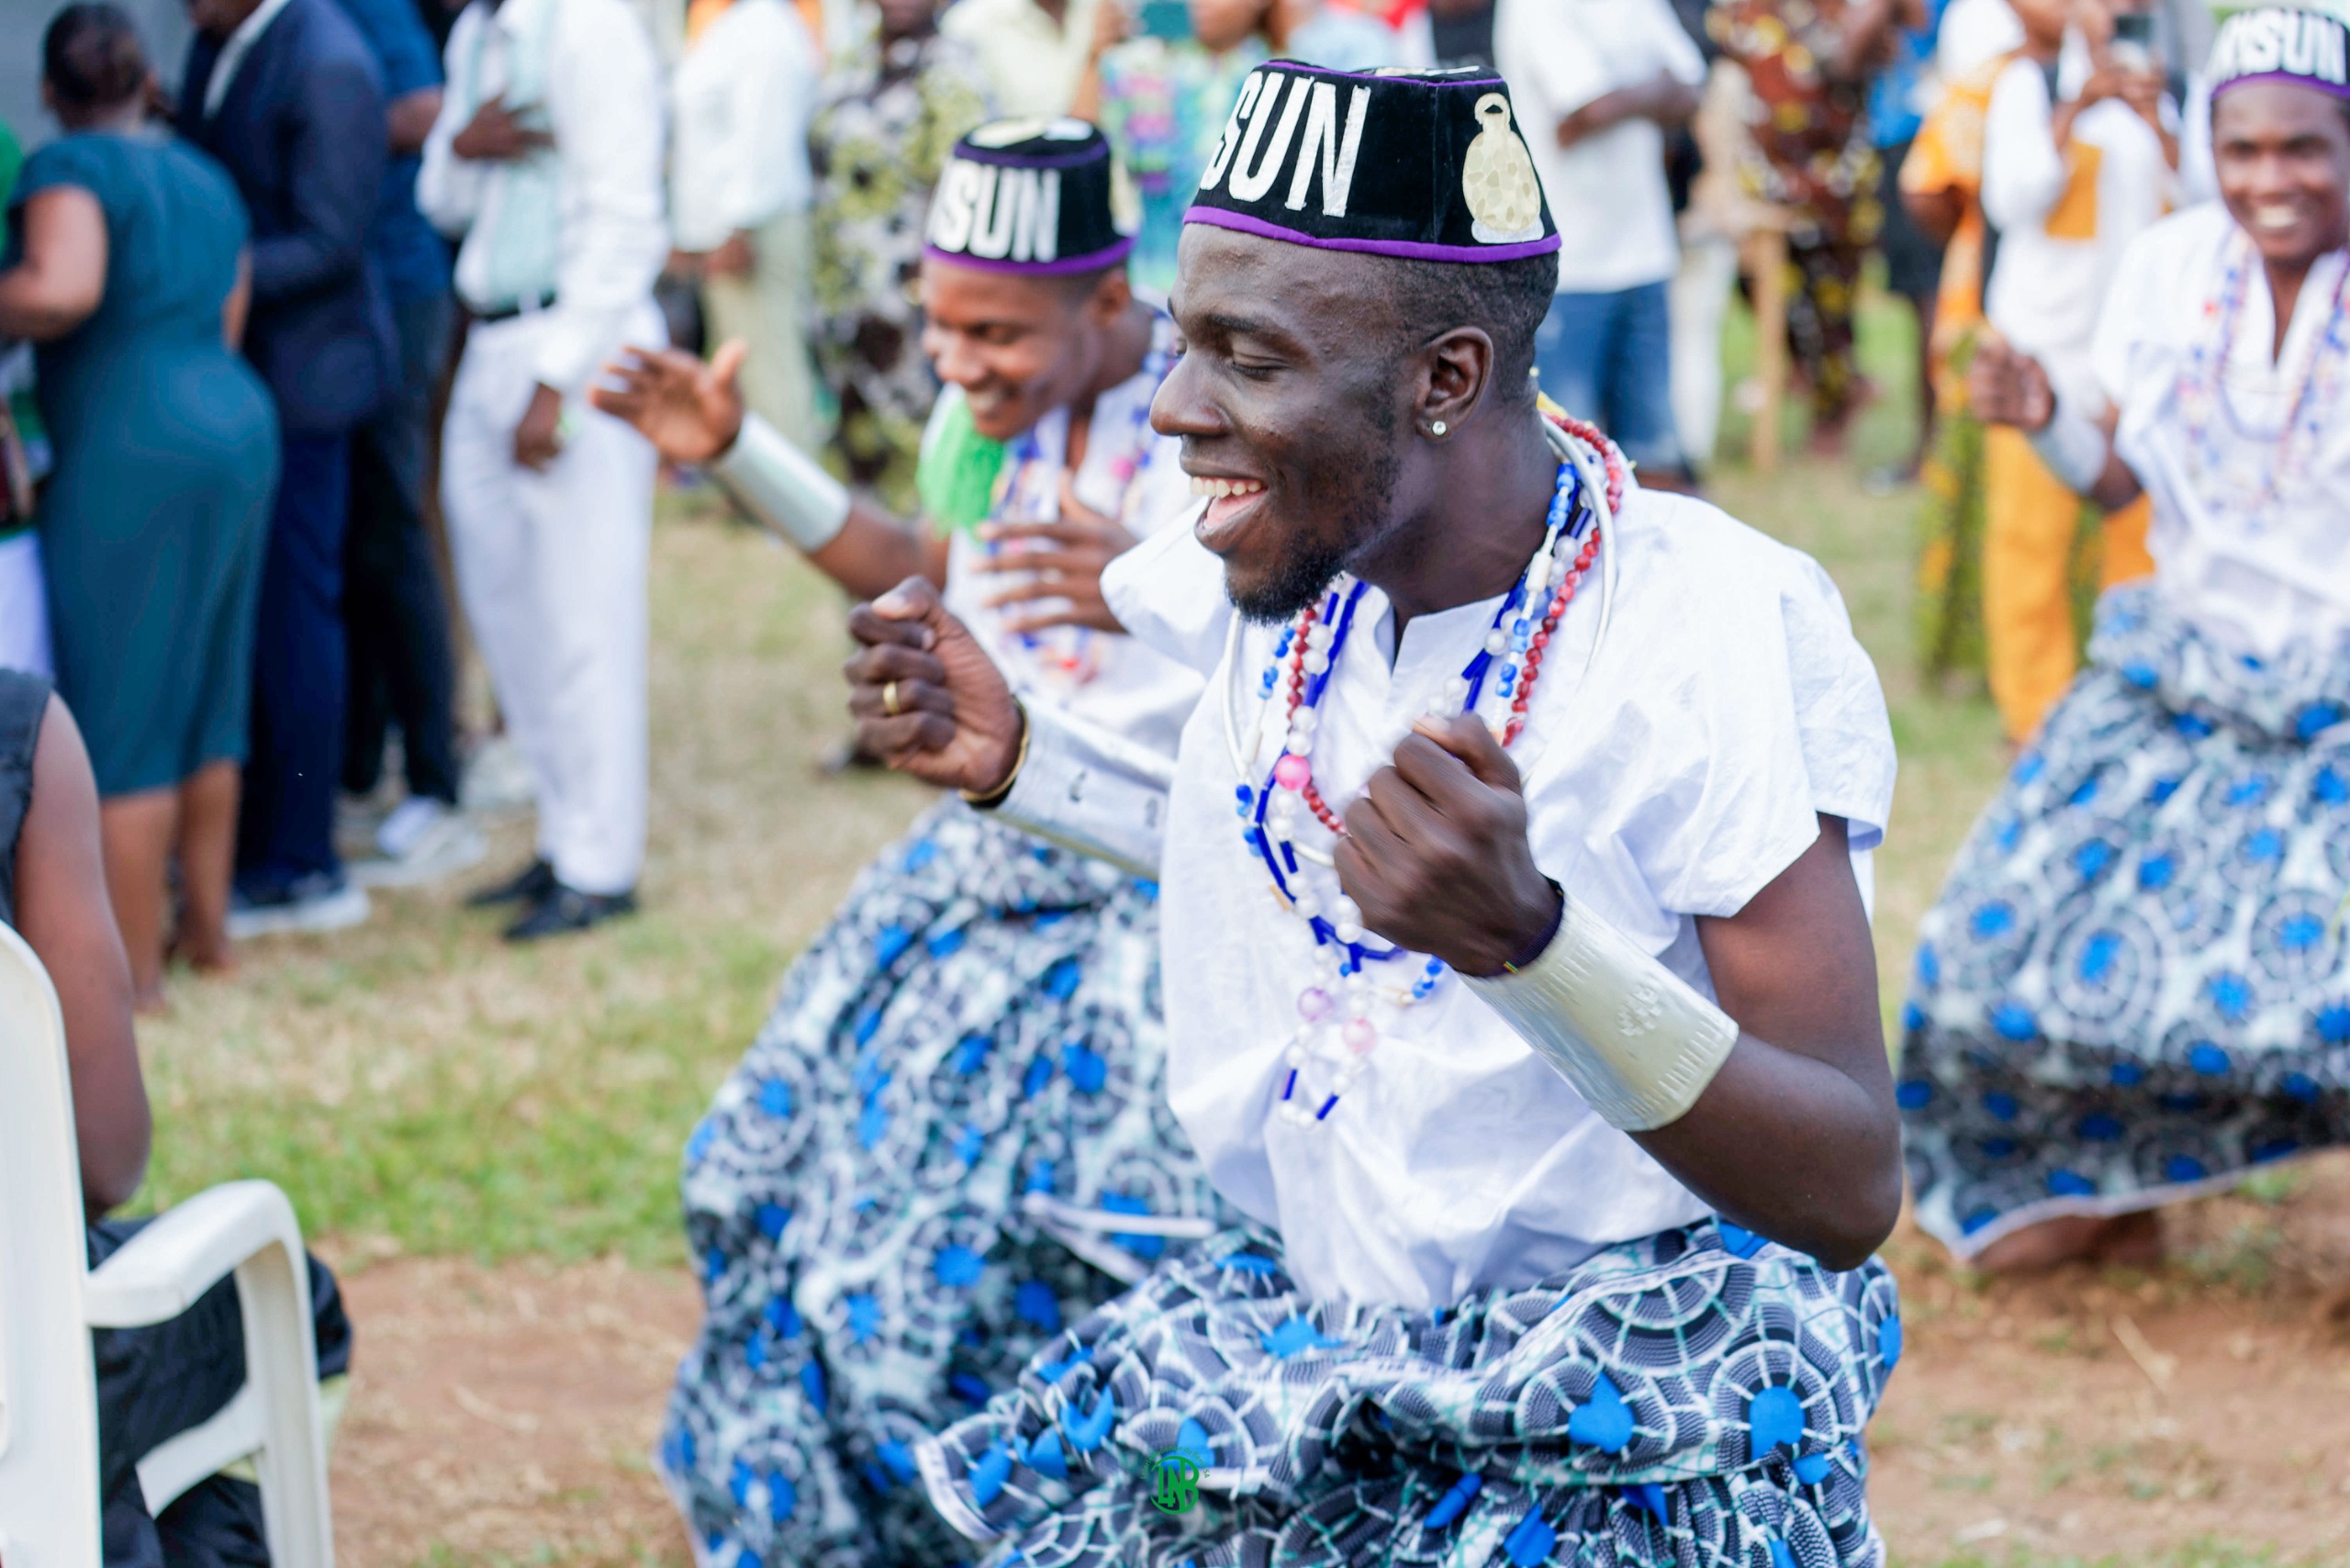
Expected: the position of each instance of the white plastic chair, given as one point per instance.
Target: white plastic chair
(49, 1300)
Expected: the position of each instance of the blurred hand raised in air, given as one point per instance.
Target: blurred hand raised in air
(690, 411)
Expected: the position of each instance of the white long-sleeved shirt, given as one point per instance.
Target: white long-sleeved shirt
(580, 222)
(742, 95)
(2064, 217)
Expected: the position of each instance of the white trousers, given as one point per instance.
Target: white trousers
(1700, 300)
(552, 567)
(24, 606)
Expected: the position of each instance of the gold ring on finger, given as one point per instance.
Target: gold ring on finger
(889, 706)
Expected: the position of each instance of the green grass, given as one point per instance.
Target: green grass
(567, 1146)
(418, 1087)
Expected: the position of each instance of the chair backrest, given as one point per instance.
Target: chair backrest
(49, 1426)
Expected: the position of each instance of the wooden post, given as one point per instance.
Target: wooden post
(1766, 268)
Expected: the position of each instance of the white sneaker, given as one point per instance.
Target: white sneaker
(322, 902)
(498, 777)
(421, 840)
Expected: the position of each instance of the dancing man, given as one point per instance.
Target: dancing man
(951, 1135)
(2134, 987)
(1517, 964)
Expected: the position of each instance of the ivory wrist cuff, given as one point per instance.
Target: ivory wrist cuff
(1637, 1043)
(781, 487)
(2072, 446)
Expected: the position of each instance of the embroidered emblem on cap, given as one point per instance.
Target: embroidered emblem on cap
(1497, 179)
(1126, 199)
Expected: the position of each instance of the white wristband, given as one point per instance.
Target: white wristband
(781, 487)
(2073, 447)
(1636, 1041)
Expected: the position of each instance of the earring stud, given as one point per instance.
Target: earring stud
(1437, 429)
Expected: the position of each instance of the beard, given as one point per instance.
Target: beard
(1361, 486)
(1303, 578)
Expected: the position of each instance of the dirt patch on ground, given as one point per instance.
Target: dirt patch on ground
(505, 1414)
(2084, 1414)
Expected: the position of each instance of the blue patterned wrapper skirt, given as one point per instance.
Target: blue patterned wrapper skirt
(909, 1184)
(1695, 1398)
(2133, 988)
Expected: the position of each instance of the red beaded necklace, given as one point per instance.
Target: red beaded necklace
(1561, 596)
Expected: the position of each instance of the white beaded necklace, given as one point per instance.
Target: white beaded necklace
(1334, 1008)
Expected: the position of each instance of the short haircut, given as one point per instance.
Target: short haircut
(1077, 287)
(91, 56)
(1507, 300)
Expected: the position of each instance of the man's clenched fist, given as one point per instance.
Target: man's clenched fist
(927, 699)
(1436, 853)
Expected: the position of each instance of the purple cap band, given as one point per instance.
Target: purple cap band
(1409, 250)
(1092, 262)
(2290, 78)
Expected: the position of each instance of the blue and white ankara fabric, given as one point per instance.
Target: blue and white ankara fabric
(1695, 1399)
(2134, 985)
(976, 1037)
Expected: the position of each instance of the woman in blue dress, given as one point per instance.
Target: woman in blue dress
(127, 272)
(2135, 986)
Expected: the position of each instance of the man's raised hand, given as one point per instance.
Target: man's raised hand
(691, 412)
(1436, 854)
(926, 697)
(499, 135)
(2009, 387)
(1056, 580)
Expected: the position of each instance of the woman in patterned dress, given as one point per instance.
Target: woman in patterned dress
(1809, 61)
(2135, 986)
(894, 103)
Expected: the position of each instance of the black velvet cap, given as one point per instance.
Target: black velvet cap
(1034, 196)
(1424, 164)
(2278, 43)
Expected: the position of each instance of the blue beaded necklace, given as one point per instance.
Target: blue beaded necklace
(1500, 677)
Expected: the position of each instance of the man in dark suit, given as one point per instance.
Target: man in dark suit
(286, 95)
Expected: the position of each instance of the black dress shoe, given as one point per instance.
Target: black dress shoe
(530, 885)
(566, 909)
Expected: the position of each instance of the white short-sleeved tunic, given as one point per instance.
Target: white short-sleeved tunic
(2249, 534)
(1131, 474)
(1729, 704)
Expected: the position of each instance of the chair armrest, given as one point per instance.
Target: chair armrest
(188, 1249)
(248, 1229)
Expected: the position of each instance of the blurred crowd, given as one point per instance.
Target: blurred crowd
(300, 333)
(337, 353)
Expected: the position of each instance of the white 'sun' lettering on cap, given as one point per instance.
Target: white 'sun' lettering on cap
(2277, 43)
(1427, 165)
(1034, 196)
